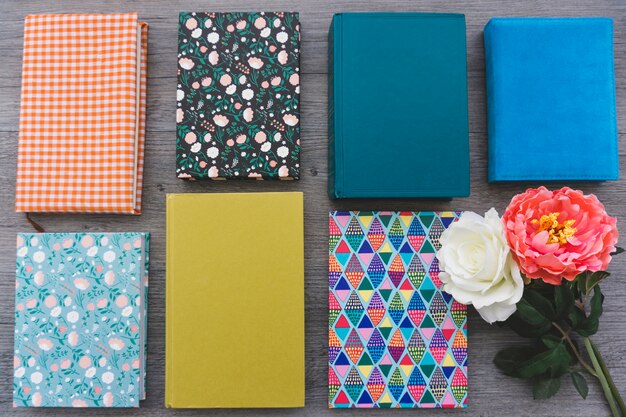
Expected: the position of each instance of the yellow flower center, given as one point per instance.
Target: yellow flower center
(557, 232)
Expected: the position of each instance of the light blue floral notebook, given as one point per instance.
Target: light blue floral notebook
(80, 319)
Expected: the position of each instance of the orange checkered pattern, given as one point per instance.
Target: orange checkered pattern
(82, 118)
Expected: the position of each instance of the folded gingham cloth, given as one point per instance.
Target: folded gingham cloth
(82, 118)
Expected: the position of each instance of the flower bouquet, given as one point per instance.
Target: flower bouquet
(538, 270)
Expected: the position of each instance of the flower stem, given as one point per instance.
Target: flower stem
(608, 392)
(616, 395)
(566, 337)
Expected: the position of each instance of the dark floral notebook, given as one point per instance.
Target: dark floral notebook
(238, 110)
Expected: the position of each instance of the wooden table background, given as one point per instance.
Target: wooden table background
(490, 393)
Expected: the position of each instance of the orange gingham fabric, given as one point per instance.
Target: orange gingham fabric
(79, 114)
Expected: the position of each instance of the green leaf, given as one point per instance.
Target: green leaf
(580, 383)
(540, 303)
(589, 326)
(551, 341)
(618, 250)
(575, 317)
(563, 300)
(523, 329)
(530, 314)
(581, 281)
(508, 359)
(596, 303)
(594, 279)
(554, 362)
(546, 387)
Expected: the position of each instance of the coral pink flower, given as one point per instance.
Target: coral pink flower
(191, 23)
(248, 115)
(283, 56)
(186, 63)
(38, 278)
(107, 399)
(260, 137)
(220, 120)
(84, 362)
(66, 363)
(72, 338)
(79, 403)
(260, 22)
(290, 119)
(255, 63)
(559, 234)
(81, 283)
(44, 344)
(116, 344)
(121, 301)
(191, 138)
(50, 301)
(226, 80)
(87, 241)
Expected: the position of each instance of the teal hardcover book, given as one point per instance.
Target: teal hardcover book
(398, 106)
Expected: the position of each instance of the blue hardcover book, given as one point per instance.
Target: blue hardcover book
(398, 106)
(80, 319)
(551, 99)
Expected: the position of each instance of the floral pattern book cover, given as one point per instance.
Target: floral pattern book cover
(238, 96)
(80, 319)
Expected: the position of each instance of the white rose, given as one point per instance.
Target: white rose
(283, 151)
(477, 267)
(213, 37)
(197, 32)
(282, 37)
(247, 94)
(195, 148)
(212, 152)
(108, 377)
(91, 372)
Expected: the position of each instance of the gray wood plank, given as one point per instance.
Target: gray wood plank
(491, 394)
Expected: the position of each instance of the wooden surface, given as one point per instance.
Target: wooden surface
(491, 394)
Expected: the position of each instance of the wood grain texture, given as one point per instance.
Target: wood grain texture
(491, 394)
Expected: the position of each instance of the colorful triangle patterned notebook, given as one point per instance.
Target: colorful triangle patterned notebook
(80, 319)
(395, 340)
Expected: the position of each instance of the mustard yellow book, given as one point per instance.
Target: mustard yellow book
(235, 300)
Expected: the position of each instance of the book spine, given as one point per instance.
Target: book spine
(334, 79)
(331, 113)
(489, 81)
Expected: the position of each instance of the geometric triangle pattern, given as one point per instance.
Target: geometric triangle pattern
(395, 339)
